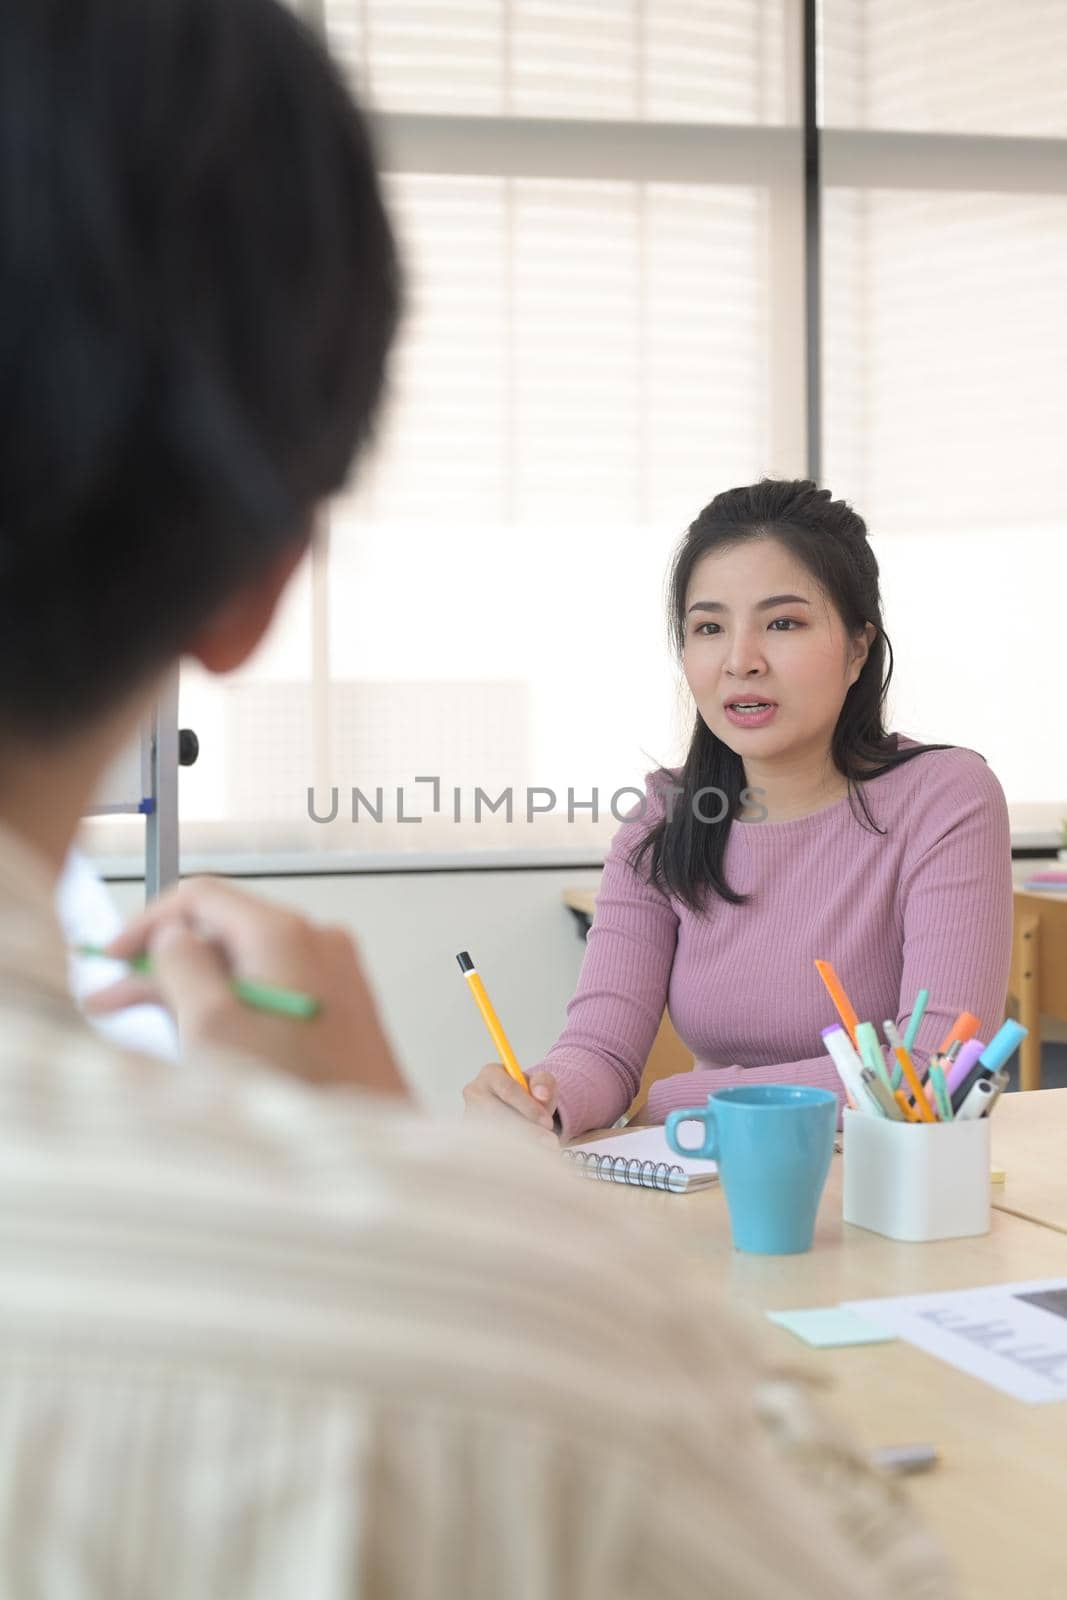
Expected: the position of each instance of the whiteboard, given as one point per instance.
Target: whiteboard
(127, 784)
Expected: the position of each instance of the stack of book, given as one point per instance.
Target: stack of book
(1051, 880)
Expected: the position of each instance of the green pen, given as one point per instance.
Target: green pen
(942, 1100)
(263, 996)
(916, 1017)
(871, 1052)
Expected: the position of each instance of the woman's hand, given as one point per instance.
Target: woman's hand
(206, 932)
(494, 1092)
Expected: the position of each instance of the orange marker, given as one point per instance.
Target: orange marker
(965, 1027)
(840, 998)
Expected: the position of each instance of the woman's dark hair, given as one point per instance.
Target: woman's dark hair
(198, 290)
(684, 853)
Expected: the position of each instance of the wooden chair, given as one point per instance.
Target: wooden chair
(666, 1059)
(1038, 978)
(668, 1055)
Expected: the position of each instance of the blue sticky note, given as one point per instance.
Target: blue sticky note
(827, 1326)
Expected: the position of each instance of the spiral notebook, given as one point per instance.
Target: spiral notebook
(645, 1159)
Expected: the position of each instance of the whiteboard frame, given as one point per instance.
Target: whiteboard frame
(158, 799)
(161, 822)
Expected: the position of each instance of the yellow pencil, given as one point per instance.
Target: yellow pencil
(905, 1105)
(907, 1067)
(840, 999)
(491, 1020)
(922, 1105)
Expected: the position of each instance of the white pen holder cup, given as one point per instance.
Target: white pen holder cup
(916, 1180)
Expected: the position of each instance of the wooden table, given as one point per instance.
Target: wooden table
(1029, 1136)
(997, 1499)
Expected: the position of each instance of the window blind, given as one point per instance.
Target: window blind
(600, 211)
(600, 206)
(945, 328)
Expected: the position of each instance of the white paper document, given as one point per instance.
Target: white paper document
(88, 915)
(1012, 1335)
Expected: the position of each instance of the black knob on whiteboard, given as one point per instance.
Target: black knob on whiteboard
(188, 747)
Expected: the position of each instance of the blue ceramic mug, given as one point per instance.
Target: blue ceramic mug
(773, 1144)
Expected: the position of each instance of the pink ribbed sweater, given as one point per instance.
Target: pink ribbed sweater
(927, 904)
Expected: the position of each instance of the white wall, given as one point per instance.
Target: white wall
(410, 927)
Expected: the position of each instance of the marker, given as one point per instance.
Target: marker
(916, 1017)
(941, 1095)
(979, 1102)
(965, 1085)
(261, 996)
(1003, 1045)
(871, 1051)
(848, 1064)
(840, 999)
(961, 1067)
(491, 1020)
(965, 1027)
(999, 1050)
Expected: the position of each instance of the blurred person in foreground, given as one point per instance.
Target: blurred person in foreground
(265, 1331)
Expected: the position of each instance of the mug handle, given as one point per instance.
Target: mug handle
(708, 1150)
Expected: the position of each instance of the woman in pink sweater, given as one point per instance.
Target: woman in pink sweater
(797, 828)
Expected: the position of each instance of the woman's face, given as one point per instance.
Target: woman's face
(758, 628)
